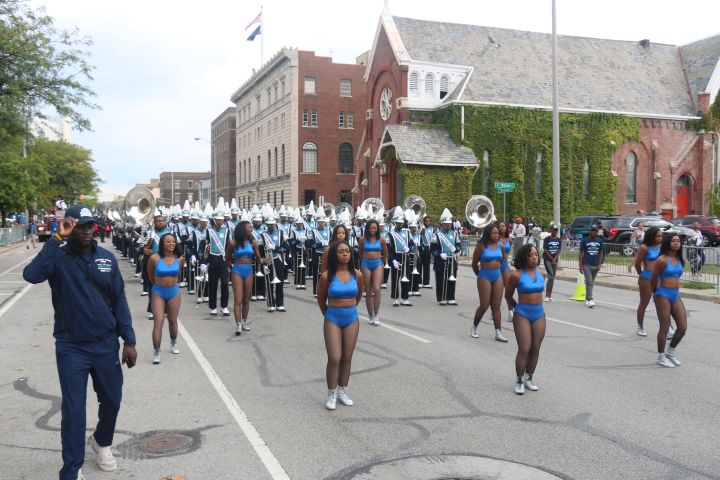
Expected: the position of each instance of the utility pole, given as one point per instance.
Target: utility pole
(555, 122)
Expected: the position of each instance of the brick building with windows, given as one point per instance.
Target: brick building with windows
(176, 187)
(223, 158)
(467, 79)
(299, 120)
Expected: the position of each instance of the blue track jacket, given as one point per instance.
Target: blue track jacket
(81, 313)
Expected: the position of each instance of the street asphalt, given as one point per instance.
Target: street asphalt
(430, 401)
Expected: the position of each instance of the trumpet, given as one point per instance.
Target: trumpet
(404, 278)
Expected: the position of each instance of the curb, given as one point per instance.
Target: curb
(11, 247)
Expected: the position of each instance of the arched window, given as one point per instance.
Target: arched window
(413, 87)
(486, 171)
(346, 158)
(277, 172)
(429, 85)
(283, 158)
(630, 178)
(538, 174)
(269, 165)
(310, 157)
(444, 86)
(586, 179)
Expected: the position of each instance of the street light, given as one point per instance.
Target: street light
(213, 167)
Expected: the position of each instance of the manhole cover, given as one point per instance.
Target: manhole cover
(163, 443)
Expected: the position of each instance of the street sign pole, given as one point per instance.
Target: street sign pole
(505, 207)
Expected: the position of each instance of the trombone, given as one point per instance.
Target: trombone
(269, 290)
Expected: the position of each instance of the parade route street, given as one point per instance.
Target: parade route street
(430, 401)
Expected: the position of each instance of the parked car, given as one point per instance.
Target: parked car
(619, 230)
(581, 224)
(709, 226)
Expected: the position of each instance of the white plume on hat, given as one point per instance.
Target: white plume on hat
(446, 216)
(411, 217)
(266, 210)
(344, 217)
(360, 212)
(398, 215)
(310, 209)
(245, 217)
(233, 207)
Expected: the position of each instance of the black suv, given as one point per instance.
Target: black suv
(581, 224)
(619, 229)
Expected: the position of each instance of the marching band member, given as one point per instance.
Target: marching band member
(258, 290)
(234, 219)
(427, 237)
(241, 251)
(414, 259)
(332, 221)
(197, 258)
(356, 231)
(182, 235)
(445, 264)
(275, 247)
(217, 238)
(298, 237)
(487, 259)
(320, 239)
(385, 236)
(399, 250)
(165, 293)
(285, 216)
(374, 255)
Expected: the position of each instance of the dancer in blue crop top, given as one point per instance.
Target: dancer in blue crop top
(665, 281)
(373, 254)
(644, 262)
(163, 271)
(487, 259)
(506, 244)
(529, 315)
(339, 292)
(240, 253)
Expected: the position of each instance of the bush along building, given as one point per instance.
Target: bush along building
(453, 108)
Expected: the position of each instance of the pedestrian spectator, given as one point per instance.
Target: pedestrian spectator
(457, 226)
(637, 236)
(590, 261)
(101, 224)
(54, 224)
(695, 255)
(91, 312)
(518, 229)
(31, 234)
(552, 247)
(530, 226)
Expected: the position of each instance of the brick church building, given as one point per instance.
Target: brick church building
(419, 70)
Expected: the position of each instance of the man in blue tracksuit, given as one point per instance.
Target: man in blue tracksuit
(91, 312)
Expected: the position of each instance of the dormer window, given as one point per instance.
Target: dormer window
(414, 80)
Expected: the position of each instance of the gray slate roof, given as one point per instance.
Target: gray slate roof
(427, 146)
(700, 59)
(514, 67)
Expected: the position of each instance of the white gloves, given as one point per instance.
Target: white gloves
(266, 270)
(203, 269)
(443, 256)
(406, 250)
(451, 248)
(193, 260)
(396, 264)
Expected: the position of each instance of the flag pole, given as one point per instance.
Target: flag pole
(262, 35)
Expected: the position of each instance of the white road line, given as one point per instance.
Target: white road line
(263, 451)
(12, 301)
(13, 268)
(13, 281)
(401, 332)
(583, 326)
(634, 307)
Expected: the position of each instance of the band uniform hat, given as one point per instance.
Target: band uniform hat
(80, 213)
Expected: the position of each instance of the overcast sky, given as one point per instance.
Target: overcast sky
(166, 69)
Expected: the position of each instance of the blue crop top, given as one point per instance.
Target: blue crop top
(672, 271)
(652, 254)
(162, 269)
(340, 290)
(244, 252)
(526, 284)
(491, 254)
(507, 245)
(369, 246)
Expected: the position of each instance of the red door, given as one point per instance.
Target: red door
(682, 195)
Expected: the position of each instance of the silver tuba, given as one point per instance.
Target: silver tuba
(416, 204)
(138, 206)
(480, 211)
(345, 206)
(373, 206)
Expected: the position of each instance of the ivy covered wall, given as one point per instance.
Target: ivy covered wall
(515, 136)
(440, 187)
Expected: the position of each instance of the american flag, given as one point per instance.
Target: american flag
(257, 19)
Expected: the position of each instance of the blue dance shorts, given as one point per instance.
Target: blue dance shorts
(672, 294)
(531, 312)
(505, 265)
(489, 274)
(371, 263)
(341, 316)
(646, 274)
(242, 269)
(166, 293)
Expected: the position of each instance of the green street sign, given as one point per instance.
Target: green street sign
(504, 187)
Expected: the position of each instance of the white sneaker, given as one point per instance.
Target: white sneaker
(664, 361)
(591, 303)
(271, 309)
(530, 385)
(206, 299)
(548, 299)
(452, 302)
(199, 300)
(238, 329)
(641, 331)
(331, 402)
(183, 284)
(143, 293)
(343, 397)
(473, 332)
(673, 359)
(376, 319)
(442, 302)
(260, 297)
(281, 309)
(191, 292)
(244, 326)
(671, 333)
(213, 311)
(80, 475)
(406, 303)
(156, 357)
(150, 316)
(371, 319)
(519, 388)
(427, 286)
(383, 285)
(104, 456)
(510, 315)
(226, 312)
(396, 303)
(253, 298)
(136, 275)
(499, 337)
(174, 348)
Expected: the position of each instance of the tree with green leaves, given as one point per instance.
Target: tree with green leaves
(21, 182)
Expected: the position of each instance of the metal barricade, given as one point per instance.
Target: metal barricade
(11, 235)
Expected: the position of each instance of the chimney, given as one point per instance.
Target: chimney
(645, 43)
(703, 101)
